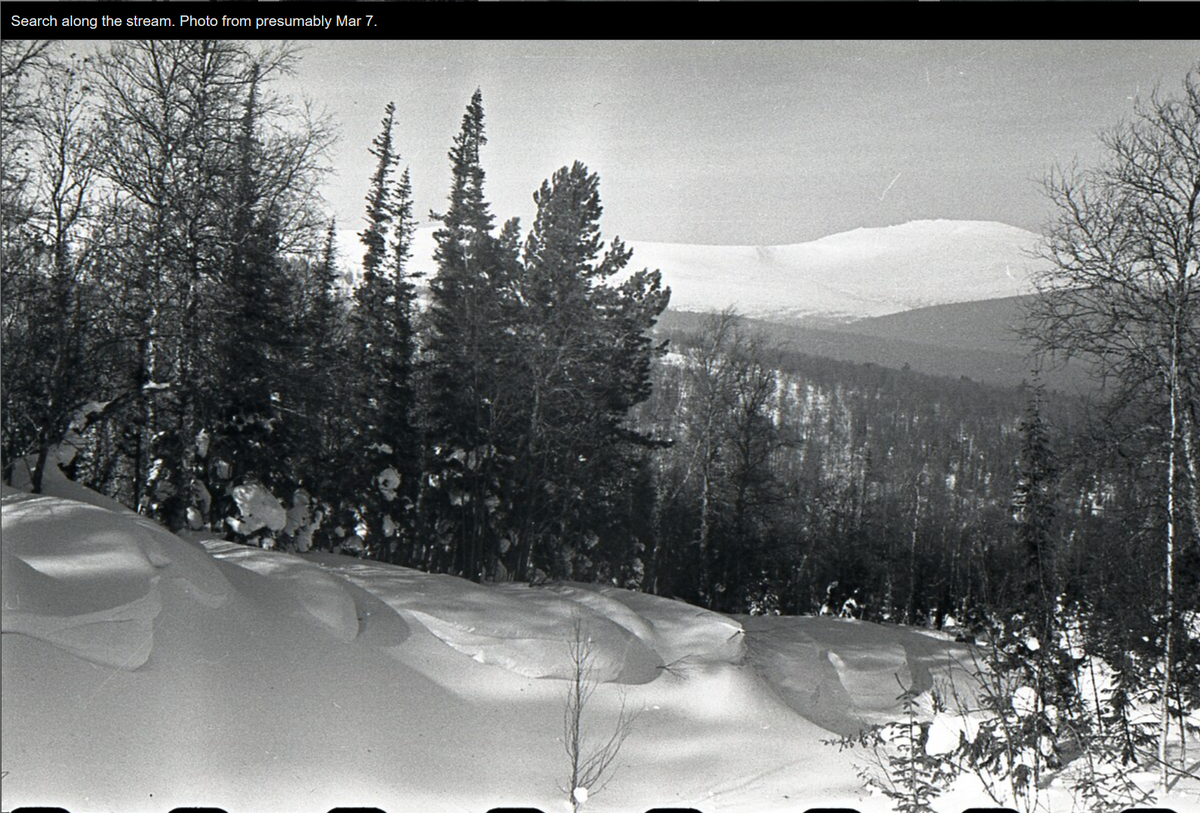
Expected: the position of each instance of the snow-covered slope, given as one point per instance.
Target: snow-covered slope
(852, 275)
(350, 253)
(144, 671)
(855, 274)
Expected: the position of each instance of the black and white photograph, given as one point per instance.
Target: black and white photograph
(600, 426)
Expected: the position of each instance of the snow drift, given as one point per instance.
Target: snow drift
(144, 671)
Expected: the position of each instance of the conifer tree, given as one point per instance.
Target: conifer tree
(468, 393)
(405, 226)
(323, 433)
(387, 460)
(1034, 510)
(254, 430)
(380, 209)
(584, 359)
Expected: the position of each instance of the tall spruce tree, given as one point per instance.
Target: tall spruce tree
(254, 428)
(322, 435)
(387, 459)
(400, 397)
(380, 209)
(467, 346)
(1035, 500)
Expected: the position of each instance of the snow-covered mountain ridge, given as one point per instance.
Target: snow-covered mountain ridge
(841, 277)
(852, 275)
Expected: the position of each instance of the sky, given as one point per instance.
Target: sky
(745, 142)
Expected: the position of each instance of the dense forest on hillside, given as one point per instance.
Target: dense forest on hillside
(176, 336)
(837, 481)
(979, 341)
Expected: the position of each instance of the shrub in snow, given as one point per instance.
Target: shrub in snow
(1016, 696)
(203, 439)
(905, 768)
(1036, 707)
(1038, 714)
(194, 519)
(590, 761)
(352, 545)
(200, 505)
(302, 521)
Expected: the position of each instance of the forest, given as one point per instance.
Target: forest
(178, 334)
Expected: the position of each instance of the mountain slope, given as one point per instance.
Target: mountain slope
(975, 340)
(852, 275)
(990, 324)
(943, 297)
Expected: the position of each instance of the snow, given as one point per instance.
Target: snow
(143, 671)
(389, 481)
(258, 508)
(1024, 701)
(850, 275)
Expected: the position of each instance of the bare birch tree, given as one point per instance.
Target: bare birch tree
(591, 760)
(1122, 293)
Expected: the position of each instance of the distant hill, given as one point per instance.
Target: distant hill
(972, 340)
(849, 276)
(989, 324)
(943, 297)
(843, 277)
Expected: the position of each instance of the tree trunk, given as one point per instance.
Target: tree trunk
(1173, 395)
(705, 507)
(1189, 456)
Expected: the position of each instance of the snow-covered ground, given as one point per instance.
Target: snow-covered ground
(144, 671)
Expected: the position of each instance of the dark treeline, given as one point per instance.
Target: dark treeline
(178, 335)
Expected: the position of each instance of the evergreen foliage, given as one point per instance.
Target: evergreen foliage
(380, 207)
(385, 464)
(471, 296)
(582, 346)
(904, 771)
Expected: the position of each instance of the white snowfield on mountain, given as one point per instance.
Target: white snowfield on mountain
(857, 274)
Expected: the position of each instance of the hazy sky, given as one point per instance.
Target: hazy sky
(742, 142)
